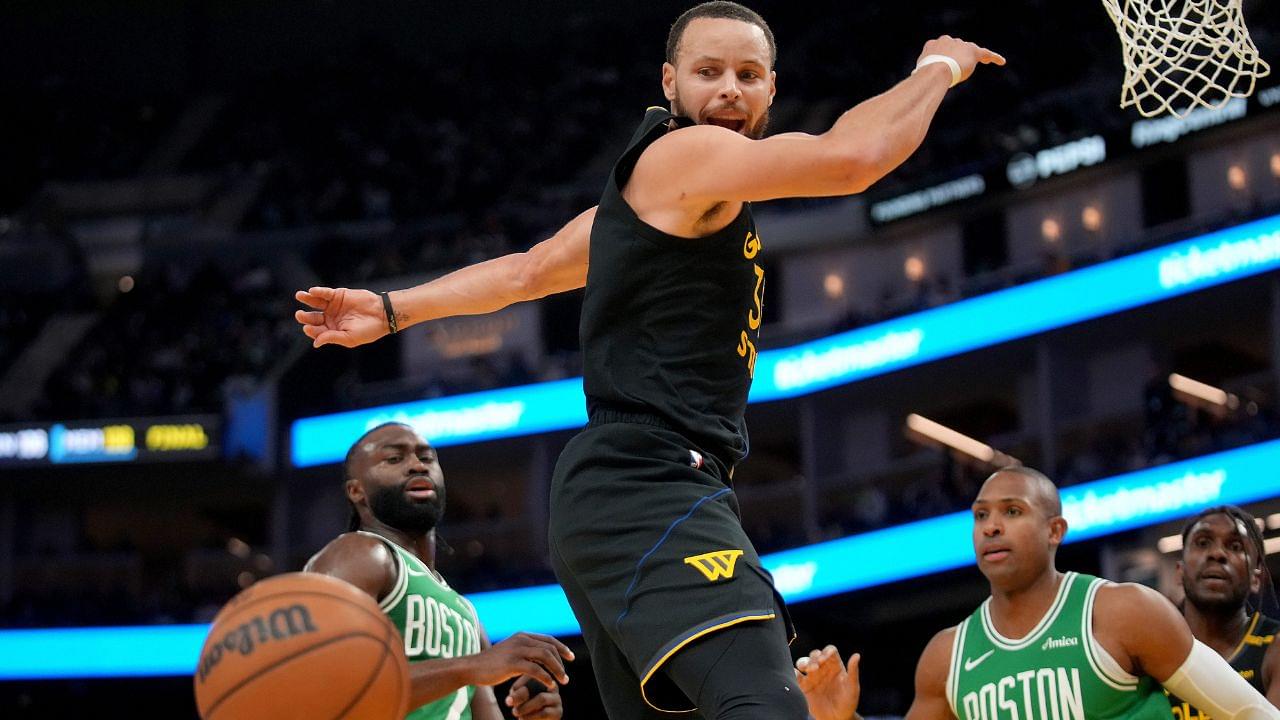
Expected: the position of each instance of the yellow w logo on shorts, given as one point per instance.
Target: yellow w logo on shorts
(715, 565)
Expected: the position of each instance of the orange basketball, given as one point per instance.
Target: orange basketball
(303, 646)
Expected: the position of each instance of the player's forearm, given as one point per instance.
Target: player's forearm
(1207, 681)
(430, 680)
(557, 264)
(473, 290)
(887, 129)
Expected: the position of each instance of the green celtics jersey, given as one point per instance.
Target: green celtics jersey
(435, 622)
(1056, 672)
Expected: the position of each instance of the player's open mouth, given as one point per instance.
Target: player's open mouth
(1214, 575)
(729, 123)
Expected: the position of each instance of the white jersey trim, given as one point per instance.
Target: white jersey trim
(1050, 616)
(1101, 661)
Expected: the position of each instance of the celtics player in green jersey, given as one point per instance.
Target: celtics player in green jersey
(1047, 645)
(1224, 578)
(395, 486)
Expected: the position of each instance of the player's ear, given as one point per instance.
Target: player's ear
(355, 491)
(1057, 530)
(669, 81)
(1177, 573)
(1255, 582)
(773, 85)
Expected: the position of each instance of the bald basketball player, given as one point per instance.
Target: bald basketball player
(1047, 644)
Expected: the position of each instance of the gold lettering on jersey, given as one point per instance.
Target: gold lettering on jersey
(1185, 711)
(1259, 640)
(755, 314)
(1247, 674)
(715, 565)
(747, 349)
(1044, 693)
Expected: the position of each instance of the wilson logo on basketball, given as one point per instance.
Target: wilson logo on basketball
(281, 624)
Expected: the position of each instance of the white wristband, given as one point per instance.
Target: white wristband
(950, 61)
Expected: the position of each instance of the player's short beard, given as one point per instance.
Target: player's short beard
(755, 132)
(390, 505)
(1229, 604)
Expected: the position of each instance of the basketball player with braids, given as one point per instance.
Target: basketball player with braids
(395, 486)
(1224, 577)
(1047, 645)
(645, 537)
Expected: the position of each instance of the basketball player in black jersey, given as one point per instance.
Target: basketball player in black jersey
(1223, 572)
(645, 537)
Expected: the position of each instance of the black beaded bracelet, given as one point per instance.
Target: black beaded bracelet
(391, 314)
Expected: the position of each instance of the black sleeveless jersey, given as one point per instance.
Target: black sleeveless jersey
(670, 325)
(1247, 660)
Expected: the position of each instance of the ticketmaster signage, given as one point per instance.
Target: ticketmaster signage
(1145, 133)
(942, 543)
(848, 357)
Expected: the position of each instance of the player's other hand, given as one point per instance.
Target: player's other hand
(541, 657)
(967, 54)
(340, 316)
(830, 687)
(531, 700)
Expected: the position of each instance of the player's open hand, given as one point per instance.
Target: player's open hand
(340, 316)
(967, 54)
(531, 700)
(830, 687)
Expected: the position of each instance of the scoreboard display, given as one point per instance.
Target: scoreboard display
(159, 439)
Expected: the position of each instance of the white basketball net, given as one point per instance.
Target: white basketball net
(1180, 54)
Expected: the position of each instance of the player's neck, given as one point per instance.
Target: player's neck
(422, 545)
(1220, 629)
(1016, 612)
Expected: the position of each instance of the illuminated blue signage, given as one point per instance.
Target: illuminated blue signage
(147, 651)
(848, 357)
(447, 421)
(853, 563)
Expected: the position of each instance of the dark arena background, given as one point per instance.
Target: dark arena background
(1049, 278)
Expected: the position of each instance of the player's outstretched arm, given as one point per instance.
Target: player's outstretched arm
(367, 563)
(350, 317)
(707, 164)
(1158, 643)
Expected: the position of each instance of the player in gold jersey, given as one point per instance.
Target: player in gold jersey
(1224, 577)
